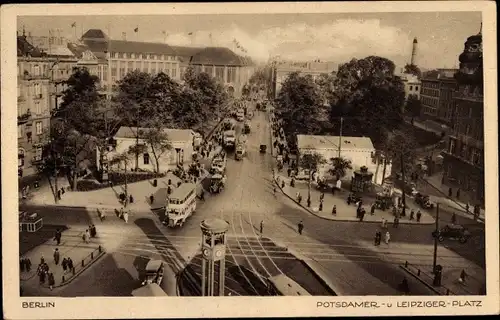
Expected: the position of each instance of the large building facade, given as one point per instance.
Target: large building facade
(40, 83)
(436, 94)
(283, 69)
(464, 158)
(123, 56)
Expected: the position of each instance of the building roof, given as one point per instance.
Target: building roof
(174, 135)
(219, 56)
(95, 34)
(60, 51)
(329, 142)
(24, 48)
(140, 47)
(186, 52)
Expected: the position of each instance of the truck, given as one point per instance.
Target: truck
(229, 139)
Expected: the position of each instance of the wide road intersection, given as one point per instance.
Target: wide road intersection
(345, 249)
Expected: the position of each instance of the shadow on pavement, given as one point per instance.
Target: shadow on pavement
(105, 278)
(31, 240)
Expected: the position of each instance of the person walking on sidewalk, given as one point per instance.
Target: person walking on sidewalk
(372, 209)
(51, 280)
(334, 210)
(64, 265)
(57, 237)
(125, 216)
(85, 236)
(70, 265)
(419, 215)
(261, 227)
(395, 224)
(384, 223)
(463, 275)
(57, 256)
(387, 237)
(412, 214)
(300, 227)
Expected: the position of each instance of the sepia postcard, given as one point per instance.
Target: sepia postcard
(249, 160)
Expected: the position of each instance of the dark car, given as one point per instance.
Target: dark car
(452, 231)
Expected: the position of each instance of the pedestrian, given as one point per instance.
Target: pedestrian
(42, 260)
(419, 215)
(458, 193)
(121, 213)
(300, 227)
(62, 190)
(292, 182)
(125, 216)
(41, 273)
(64, 265)
(70, 264)
(151, 199)
(384, 223)
(387, 237)
(450, 192)
(320, 206)
(261, 227)
(22, 264)
(372, 209)
(412, 214)
(27, 264)
(300, 198)
(51, 280)
(84, 237)
(321, 196)
(349, 199)
(463, 275)
(454, 218)
(282, 184)
(93, 231)
(396, 222)
(361, 214)
(57, 237)
(59, 194)
(308, 201)
(56, 256)
(289, 171)
(334, 210)
(378, 235)
(404, 287)
(131, 199)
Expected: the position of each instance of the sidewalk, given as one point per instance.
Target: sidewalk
(345, 212)
(83, 256)
(455, 204)
(107, 198)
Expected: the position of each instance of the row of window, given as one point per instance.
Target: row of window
(470, 154)
(426, 101)
(42, 69)
(38, 131)
(416, 88)
(34, 90)
(121, 68)
(431, 85)
(146, 56)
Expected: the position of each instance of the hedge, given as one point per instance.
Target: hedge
(117, 178)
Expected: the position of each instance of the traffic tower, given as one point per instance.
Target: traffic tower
(213, 248)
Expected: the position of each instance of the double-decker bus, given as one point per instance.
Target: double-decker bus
(181, 205)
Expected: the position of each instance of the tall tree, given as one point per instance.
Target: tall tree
(133, 102)
(413, 69)
(340, 167)
(298, 106)
(369, 97)
(311, 162)
(158, 142)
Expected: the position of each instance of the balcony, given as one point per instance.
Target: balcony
(24, 118)
(38, 96)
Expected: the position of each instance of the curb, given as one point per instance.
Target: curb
(82, 270)
(339, 220)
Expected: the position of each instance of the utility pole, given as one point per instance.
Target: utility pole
(404, 184)
(340, 137)
(434, 261)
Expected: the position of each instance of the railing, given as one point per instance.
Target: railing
(79, 266)
(24, 117)
(427, 279)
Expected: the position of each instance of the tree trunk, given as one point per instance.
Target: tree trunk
(384, 170)
(75, 180)
(404, 185)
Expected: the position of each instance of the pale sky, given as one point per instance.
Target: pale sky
(336, 37)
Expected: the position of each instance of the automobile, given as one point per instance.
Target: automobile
(452, 231)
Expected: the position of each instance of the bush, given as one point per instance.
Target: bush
(117, 178)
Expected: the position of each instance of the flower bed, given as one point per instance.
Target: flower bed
(116, 178)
